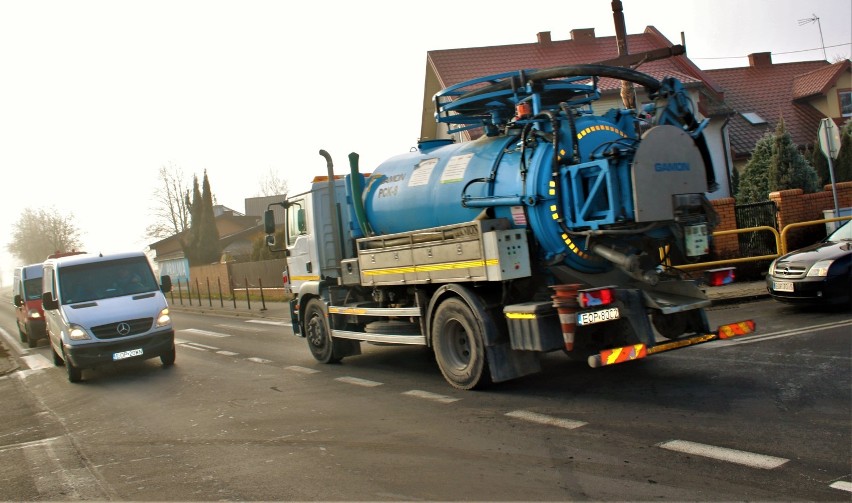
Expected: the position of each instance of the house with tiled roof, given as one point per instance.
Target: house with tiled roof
(763, 93)
(447, 67)
(236, 235)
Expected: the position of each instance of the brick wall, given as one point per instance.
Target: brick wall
(794, 206)
(725, 246)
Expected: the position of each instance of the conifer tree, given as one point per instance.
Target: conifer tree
(753, 185)
(190, 243)
(788, 168)
(209, 250)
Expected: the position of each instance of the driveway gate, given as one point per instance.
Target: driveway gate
(757, 243)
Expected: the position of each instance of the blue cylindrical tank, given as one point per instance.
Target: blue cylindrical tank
(445, 183)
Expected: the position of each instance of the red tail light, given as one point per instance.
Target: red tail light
(721, 276)
(596, 297)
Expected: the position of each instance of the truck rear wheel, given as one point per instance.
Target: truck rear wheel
(458, 342)
(318, 333)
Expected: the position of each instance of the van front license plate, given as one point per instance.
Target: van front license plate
(598, 316)
(126, 354)
(782, 286)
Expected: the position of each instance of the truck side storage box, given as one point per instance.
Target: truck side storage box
(534, 326)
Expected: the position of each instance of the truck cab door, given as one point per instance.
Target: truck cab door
(301, 246)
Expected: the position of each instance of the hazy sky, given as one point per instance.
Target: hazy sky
(97, 96)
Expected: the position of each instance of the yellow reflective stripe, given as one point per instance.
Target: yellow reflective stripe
(304, 278)
(447, 266)
(346, 310)
(520, 316)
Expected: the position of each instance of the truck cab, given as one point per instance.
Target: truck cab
(26, 296)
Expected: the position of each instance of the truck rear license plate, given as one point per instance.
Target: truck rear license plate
(782, 286)
(598, 316)
(126, 354)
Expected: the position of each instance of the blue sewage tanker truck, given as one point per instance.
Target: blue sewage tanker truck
(558, 227)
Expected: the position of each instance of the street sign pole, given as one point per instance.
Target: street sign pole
(829, 142)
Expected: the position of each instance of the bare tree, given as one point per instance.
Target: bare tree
(40, 232)
(272, 185)
(172, 199)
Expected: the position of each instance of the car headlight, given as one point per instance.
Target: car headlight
(163, 318)
(77, 333)
(772, 267)
(34, 314)
(820, 268)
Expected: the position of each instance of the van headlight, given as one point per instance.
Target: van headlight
(163, 318)
(77, 333)
(820, 268)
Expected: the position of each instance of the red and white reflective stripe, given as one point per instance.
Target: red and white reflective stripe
(736, 329)
(623, 354)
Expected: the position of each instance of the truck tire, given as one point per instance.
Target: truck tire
(318, 333)
(458, 343)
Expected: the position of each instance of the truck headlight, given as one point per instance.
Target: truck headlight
(77, 333)
(820, 268)
(163, 318)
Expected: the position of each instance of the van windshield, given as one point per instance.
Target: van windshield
(104, 280)
(32, 289)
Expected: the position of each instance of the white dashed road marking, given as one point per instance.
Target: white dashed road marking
(358, 382)
(227, 353)
(258, 360)
(724, 454)
(842, 485)
(544, 419)
(303, 370)
(431, 396)
(208, 333)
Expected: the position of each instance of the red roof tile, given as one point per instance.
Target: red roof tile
(768, 92)
(819, 81)
(453, 66)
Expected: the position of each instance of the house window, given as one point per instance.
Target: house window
(845, 103)
(753, 118)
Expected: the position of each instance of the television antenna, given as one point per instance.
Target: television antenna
(815, 19)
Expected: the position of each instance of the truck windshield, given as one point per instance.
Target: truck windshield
(104, 280)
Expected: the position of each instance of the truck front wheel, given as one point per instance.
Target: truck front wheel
(318, 334)
(458, 343)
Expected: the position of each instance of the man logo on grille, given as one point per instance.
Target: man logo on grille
(123, 328)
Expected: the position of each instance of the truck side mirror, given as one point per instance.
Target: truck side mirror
(300, 221)
(268, 222)
(48, 302)
(17, 300)
(165, 283)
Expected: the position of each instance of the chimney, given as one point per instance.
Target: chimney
(583, 35)
(760, 59)
(543, 37)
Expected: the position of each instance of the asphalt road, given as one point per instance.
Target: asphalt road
(247, 414)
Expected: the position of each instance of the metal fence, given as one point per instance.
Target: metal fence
(756, 215)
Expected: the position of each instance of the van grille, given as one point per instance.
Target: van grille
(118, 329)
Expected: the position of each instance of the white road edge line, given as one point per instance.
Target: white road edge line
(258, 360)
(724, 454)
(431, 396)
(204, 332)
(535, 417)
(359, 382)
(267, 322)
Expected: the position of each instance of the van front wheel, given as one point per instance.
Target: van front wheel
(168, 358)
(75, 374)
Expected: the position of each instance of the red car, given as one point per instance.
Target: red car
(26, 295)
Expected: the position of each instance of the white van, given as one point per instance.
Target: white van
(105, 308)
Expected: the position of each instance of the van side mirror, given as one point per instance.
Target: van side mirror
(268, 222)
(17, 300)
(165, 283)
(48, 302)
